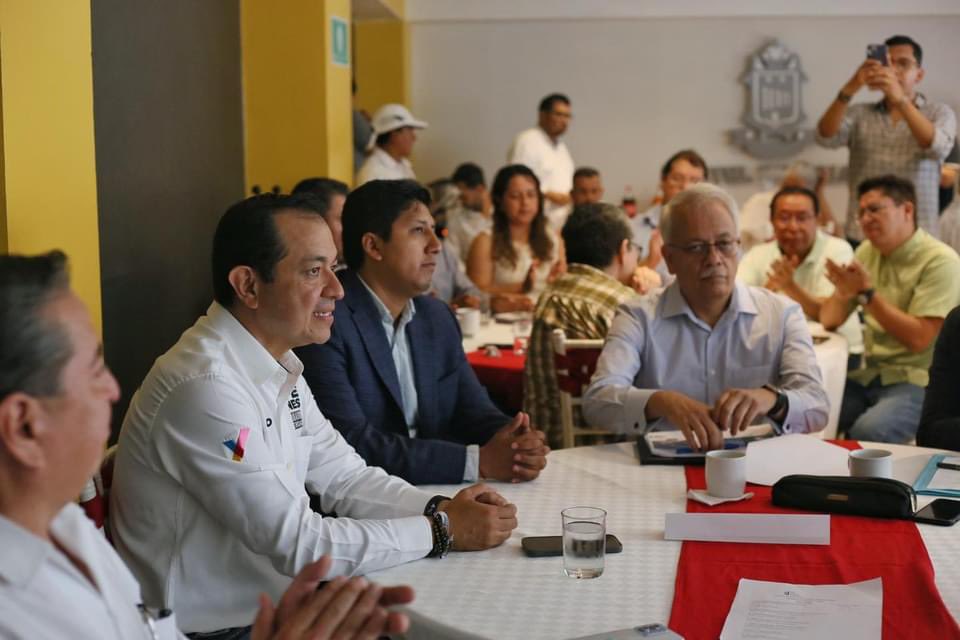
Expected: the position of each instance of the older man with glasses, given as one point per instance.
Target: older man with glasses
(794, 263)
(706, 354)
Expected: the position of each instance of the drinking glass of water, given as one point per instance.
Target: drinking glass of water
(522, 328)
(584, 541)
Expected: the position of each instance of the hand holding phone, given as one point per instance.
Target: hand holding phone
(877, 52)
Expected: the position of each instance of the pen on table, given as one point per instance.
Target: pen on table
(726, 445)
(948, 465)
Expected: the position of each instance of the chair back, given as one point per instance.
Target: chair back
(574, 362)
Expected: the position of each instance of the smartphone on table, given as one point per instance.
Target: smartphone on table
(546, 546)
(941, 511)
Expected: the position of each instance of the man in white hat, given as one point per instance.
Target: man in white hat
(392, 143)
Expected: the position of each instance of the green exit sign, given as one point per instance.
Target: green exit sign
(339, 41)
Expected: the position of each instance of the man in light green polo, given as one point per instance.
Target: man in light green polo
(906, 281)
(794, 263)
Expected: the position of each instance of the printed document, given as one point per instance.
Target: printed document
(779, 611)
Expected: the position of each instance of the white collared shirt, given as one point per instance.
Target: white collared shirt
(43, 595)
(553, 165)
(380, 165)
(209, 506)
(810, 275)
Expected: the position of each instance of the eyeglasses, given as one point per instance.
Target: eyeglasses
(562, 114)
(702, 249)
(872, 209)
(801, 218)
(904, 64)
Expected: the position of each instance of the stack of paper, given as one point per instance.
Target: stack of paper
(770, 460)
(780, 611)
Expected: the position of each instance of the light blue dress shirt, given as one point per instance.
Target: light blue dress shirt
(403, 362)
(657, 343)
(450, 281)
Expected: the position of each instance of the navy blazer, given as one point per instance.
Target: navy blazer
(355, 383)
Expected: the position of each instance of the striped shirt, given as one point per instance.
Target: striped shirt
(582, 302)
(878, 147)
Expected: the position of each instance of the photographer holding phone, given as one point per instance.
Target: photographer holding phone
(903, 134)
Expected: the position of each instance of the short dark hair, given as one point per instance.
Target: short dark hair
(690, 156)
(383, 138)
(795, 191)
(898, 189)
(373, 208)
(469, 174)
(34, 348)
(586, 172)
(593, 234)
(322, 190)
(247, 235)
(547, 103)
(895, 41)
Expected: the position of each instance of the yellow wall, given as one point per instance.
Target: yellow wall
(296, 101)
(382, 67)
(49, 190)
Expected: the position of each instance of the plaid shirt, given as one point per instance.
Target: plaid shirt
(582, 302)
(877, 147)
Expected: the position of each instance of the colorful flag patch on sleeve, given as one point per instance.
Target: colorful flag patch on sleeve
(238, 445)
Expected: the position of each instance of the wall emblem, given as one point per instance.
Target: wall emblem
(774, 115)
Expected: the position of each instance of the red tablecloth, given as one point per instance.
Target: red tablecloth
(502, 376)
(708, 573)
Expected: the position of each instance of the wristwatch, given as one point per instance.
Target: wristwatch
(442, 537)
(780, 406)
(864, 297)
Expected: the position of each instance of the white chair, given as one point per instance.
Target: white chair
(574, 362)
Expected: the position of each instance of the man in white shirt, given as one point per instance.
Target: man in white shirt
(473, 212)
(59, 577)
(794, 263)
(394, 132)
(541, 149)
(223, 441)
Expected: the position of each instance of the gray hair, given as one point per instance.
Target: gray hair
(803, 170)
(33, 348)
(693, 198)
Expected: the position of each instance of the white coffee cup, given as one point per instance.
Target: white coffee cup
(469, 320)
(726, 473)
(870, 463)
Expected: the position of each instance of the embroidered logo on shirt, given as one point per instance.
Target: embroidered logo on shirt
(294, 405)
(238, 445)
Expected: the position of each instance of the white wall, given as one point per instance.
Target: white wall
(641, 87)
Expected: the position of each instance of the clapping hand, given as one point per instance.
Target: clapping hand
(347, 608)
(780, 276)
(849, 280)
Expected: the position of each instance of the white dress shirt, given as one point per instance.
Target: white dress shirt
(657, 343)
(44, 596)
(380, 165)
(810, 275)
(209, 506)
(552, 164)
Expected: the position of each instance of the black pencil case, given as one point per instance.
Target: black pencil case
(872, 497)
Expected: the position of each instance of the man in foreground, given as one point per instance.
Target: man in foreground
(706, 354)
(393, 377)
(223, 442)
(59, 578)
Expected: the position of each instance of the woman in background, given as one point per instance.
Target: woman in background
(520, 255)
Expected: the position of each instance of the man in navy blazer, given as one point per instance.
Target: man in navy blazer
(393, 377)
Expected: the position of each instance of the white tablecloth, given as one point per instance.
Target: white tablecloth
(501, 594)
(831, 355)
